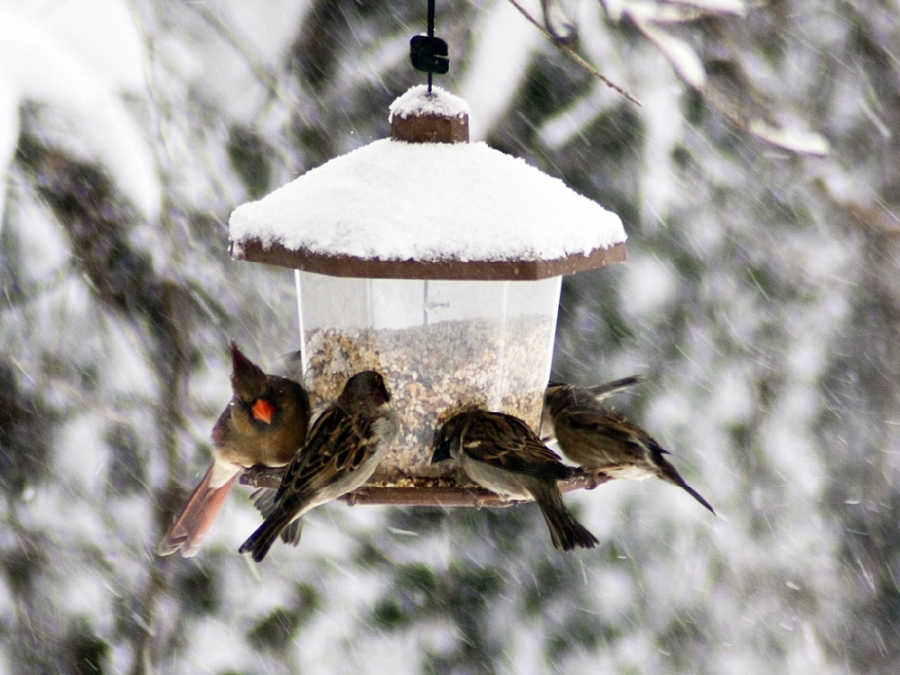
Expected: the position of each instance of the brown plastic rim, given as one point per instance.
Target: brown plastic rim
(491, 270)
(424, 491)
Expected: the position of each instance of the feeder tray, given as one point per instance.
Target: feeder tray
(437, 262)
(425, 491)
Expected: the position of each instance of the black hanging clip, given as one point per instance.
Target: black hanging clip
(429, 54)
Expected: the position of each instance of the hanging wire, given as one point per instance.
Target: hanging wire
(430, 34)
(429, 53)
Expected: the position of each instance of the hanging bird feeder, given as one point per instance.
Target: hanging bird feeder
(436, 262)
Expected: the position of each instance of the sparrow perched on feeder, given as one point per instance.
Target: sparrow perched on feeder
(595, 394)
(500, 452)
(345, 445)
(264, 423)
(597, 437)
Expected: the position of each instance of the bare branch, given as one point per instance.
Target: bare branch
(572, 54)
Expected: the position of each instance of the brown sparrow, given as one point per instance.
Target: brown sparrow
(597, 437)
(500, 452)
(345, 445)
(596, 394)
(264, 423)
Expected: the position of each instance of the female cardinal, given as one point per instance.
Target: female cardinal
(345, 446)
(265, 423)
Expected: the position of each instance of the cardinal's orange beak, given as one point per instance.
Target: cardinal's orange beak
(263, 410)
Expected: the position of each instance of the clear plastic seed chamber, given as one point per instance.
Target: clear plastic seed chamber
(437, 263)
(442, 345)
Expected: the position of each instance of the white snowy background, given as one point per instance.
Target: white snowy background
(759, 184)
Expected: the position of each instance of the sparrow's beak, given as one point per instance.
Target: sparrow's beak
(441, 448)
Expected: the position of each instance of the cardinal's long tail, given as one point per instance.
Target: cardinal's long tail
(196, 517)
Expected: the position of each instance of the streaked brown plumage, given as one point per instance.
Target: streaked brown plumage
(345, 445)
(597, 437)
(264, 423)
(588, 395)
(501, 453)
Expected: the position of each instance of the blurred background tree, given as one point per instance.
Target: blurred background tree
(759, 182)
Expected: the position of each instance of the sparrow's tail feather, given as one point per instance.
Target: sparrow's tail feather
(259, 543)
(264, 500)
(566, 532)
(603, 391)
(291, 534)
(670, 475)
(696, 495)
(196, 517)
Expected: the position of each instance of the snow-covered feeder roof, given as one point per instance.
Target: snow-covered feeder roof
(434, 208)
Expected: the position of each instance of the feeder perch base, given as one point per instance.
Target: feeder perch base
(443, 491)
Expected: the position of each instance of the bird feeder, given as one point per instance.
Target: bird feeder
(438, 263)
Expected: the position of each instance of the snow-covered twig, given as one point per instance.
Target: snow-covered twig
(572, 54)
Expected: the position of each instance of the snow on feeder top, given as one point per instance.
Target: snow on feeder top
(438, 263)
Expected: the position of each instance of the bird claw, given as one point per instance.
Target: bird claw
(598, 477)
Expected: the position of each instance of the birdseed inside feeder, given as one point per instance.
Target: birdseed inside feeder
(438, 263)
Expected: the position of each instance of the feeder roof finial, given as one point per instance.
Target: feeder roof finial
(418, 102)
(436, 116)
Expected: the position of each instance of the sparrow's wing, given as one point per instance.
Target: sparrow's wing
(613, 427)
(506, 442)
(338, 444)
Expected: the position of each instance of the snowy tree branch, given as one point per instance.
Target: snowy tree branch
(560, 44)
